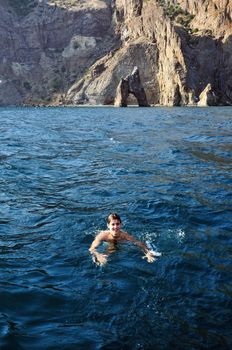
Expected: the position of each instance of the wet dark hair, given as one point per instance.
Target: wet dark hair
(113, 216)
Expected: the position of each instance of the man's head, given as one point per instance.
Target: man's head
(113, 216)
(114, 223)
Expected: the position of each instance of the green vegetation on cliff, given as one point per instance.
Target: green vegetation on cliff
(176, 13)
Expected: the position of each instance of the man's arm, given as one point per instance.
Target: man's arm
(96, 242)
(98, 258)
(148, 254)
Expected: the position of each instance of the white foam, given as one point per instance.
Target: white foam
(157, 254)
(152, 249)
(180, 233)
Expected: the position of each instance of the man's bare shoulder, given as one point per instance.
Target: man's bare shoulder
(102, 235)
(126, 236)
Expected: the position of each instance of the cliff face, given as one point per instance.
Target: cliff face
(76, 51)
(180, 47)
(47, 46)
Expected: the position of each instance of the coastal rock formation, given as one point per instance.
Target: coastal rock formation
(75, 52)
(98, 86)
(208, 97)
(131, 85)
(122, 93)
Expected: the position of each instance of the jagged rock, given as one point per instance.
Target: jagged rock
(208, 97)
(122, 93)
(177, 96)
(131, 85)
(192, 99)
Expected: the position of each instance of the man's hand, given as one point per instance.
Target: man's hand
(99, 259)
(149, 256)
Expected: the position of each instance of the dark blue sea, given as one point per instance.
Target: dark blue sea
(167, 173)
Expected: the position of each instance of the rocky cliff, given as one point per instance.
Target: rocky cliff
(77, 51)
(46, 46)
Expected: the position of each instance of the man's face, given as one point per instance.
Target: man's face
(114, 226)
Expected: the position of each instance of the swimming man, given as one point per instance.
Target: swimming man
(112, 236)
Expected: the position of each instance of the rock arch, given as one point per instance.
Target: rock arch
(131, 85)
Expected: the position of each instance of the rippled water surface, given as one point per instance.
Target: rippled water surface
(167, 172)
